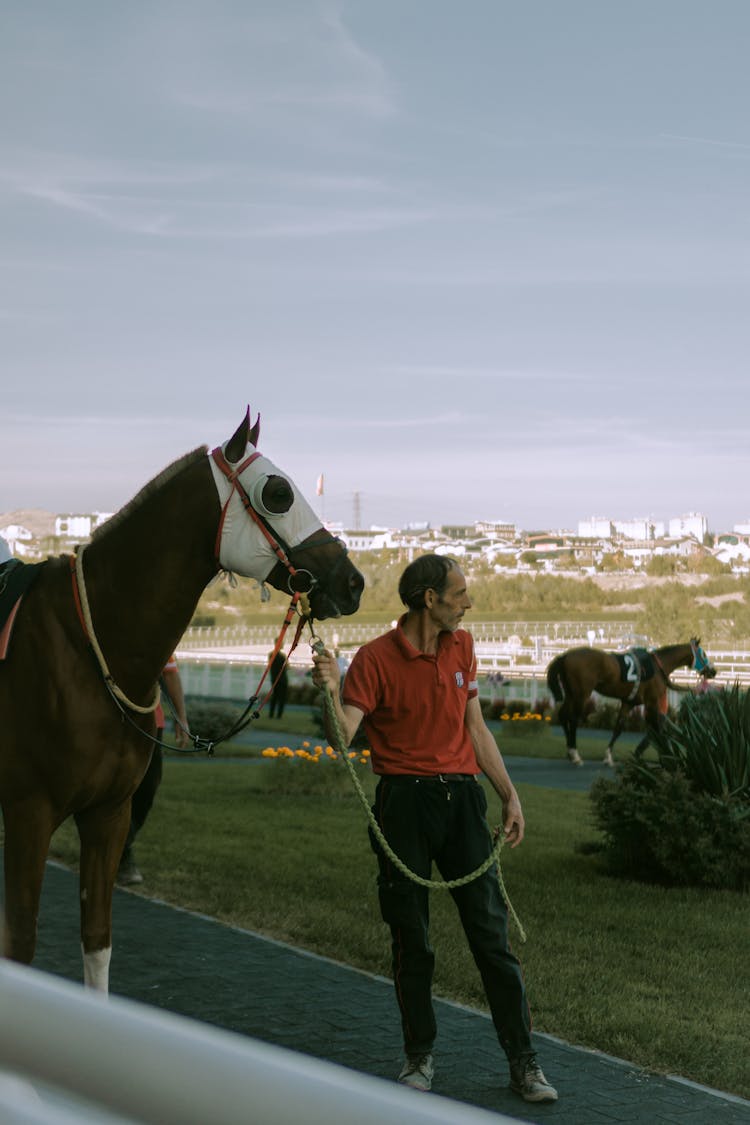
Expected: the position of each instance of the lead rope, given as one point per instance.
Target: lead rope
(432, 884)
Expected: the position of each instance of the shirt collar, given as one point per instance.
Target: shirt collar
(408, 650)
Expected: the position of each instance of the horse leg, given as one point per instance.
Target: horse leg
(28, 830)
(569, 722)
(625, 709)
(642, 745)
(654, 718)
(656, 712)
(102, 831)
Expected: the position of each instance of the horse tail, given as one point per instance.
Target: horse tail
(555, 679)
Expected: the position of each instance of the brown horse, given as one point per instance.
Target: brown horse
(78, 689)
(636, 677)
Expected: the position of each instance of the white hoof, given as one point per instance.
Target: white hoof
(575, 757)
(608, 759)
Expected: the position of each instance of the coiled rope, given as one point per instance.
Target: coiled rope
(432, 884)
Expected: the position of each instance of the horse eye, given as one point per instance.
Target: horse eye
(277, 495)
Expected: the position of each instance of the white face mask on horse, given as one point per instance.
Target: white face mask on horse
(243, 546)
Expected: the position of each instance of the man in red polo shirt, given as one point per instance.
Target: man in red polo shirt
(415, 690)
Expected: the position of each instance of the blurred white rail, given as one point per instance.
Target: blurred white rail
(150, 1067)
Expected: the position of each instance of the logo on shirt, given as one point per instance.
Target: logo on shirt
(459, 679)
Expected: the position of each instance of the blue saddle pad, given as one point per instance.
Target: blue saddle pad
(15, 579)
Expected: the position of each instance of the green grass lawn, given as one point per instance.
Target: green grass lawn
(655, 976)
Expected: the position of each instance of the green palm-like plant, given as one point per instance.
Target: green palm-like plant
(709, 743)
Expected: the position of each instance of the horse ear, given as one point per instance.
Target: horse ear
(237, 443)
(255, 433)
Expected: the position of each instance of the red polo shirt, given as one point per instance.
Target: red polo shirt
(415, 704)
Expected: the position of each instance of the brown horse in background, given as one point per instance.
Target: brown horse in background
(636, 678)
(78, 688)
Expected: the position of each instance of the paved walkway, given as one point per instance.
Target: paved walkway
(238, 980)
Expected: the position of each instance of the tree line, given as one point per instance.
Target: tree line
(667, 612)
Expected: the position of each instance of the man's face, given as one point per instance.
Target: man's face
(447, 610)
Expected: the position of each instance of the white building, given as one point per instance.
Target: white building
(595, 528)
(693, 524)
(733, 553)
(79, 527)
(496, 529)
(641, 529)
(374, 540)
(19, 539)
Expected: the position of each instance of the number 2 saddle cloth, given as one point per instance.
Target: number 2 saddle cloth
(636, 665)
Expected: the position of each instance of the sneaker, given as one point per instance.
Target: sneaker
(527, 1079)
(417, 1072)
(127, 873)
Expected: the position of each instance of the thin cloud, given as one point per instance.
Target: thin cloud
(309, 62)
(510, 374)
(712, 141)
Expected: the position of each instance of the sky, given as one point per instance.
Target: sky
(470, 261)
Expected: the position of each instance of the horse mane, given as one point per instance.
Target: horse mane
(148, 490)
(667, 650)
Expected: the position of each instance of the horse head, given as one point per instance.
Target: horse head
(701, 663)
(269, 531)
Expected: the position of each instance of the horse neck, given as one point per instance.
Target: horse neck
(674, 656)
(144, 576)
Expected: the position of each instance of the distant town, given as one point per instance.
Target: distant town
(599, 543)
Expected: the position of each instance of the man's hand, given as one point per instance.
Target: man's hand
(325, 671)
(181, 737)
(514, 825)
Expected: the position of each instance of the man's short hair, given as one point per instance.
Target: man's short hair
(428, 572)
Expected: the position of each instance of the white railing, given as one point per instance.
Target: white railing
(76, 1056)
(352, 634)
(231, 671)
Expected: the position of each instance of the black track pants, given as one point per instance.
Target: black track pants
(426, 820)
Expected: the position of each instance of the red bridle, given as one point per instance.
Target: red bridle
(277, 545)
(282, 552)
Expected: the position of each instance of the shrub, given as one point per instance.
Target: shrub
(298, 777)
(203, 621)
(604, 716)
(663, 831)
(211, 720)
(360, 740)
(304, 694)
(685, 819)
(499, 708)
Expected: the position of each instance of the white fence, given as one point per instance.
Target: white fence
(226, 663)
(351, 634)
(69, 1056)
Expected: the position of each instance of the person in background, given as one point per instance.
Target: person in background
(143, 798)
(415, 689)
(280, 681)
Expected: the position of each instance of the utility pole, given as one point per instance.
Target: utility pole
(357, 512)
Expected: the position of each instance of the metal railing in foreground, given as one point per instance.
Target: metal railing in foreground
(96, 1056)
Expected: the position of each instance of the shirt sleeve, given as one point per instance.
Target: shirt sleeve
(361, 688)
(473, 677)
